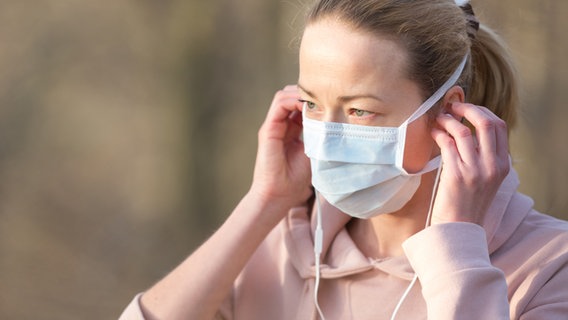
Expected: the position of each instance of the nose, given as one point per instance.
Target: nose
(333, 115)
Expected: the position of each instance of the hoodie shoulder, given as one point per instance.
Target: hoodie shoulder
(535, 262)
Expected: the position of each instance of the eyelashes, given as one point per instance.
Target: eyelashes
(360, 113)
(309, 105)
(355, 113)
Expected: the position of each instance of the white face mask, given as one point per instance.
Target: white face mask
(358, 169)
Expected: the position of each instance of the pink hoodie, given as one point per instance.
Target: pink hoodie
(515, 267)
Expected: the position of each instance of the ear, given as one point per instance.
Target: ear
(455, 94)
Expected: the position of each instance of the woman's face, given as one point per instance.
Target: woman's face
(355, 77)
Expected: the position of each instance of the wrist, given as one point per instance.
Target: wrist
(265, 209)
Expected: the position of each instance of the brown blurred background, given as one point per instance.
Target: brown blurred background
(128, 133)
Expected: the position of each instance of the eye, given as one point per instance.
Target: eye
(361, 113)
(309, 105)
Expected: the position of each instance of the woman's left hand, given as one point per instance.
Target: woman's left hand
(474, 164)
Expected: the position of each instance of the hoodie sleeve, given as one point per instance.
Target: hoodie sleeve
(453, 266)
(134, 310)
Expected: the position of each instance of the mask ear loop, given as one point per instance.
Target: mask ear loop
(318, 244)
(428, 221)
(425, 106)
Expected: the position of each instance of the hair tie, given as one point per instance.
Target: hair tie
(472, 22)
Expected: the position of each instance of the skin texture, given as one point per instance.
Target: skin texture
(348, 76)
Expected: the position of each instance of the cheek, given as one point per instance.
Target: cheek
(420, 146)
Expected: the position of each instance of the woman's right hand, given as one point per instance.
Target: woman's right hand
(282, 171)
(198, 286)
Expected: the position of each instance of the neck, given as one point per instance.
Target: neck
(382, 236)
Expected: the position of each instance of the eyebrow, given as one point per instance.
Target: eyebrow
(343, 98)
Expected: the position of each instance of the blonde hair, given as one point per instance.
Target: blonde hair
(437, 34)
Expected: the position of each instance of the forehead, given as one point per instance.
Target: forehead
(331, 49)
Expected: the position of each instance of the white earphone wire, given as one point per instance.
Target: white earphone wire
(428, 220)
(318, 243)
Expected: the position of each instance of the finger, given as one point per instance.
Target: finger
(501, 135)
(276, 123)
(492, 136)
(291, 88)
(294, 130)
(284, 103)
(462, 135)
(448, 149)
(484, 124)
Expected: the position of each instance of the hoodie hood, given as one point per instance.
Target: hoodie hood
(341, 256)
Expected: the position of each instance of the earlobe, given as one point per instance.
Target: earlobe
(455, 94)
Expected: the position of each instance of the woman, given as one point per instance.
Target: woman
(390, 146)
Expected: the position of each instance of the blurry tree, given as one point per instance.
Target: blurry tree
(128, 133)
(534, 30)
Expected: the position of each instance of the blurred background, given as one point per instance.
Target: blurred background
(128, 133)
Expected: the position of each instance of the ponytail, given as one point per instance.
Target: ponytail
(494, 82)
